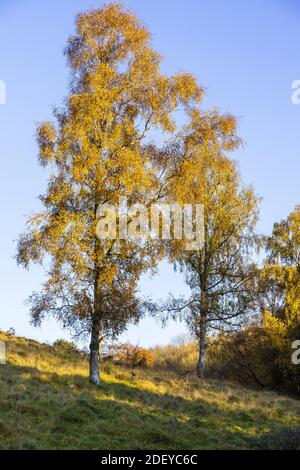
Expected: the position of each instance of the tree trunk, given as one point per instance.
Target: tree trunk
(96, 333)
(202, 350)
(94, 352)
(202, 336)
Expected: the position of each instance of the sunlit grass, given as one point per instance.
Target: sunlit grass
(46, 402)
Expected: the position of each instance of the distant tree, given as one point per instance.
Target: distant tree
(218, 274)
(279, 294)
(98, 153)
(279, 278)
(267, 351)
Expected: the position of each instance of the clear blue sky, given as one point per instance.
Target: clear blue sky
(245, 52)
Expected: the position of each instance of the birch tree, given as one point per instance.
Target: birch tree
(97, 150)
(218, 274)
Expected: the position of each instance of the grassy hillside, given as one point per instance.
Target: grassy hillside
(46, 402)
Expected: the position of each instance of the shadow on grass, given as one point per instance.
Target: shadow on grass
(45, 410)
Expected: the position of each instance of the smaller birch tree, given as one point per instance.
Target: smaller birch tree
(219, 274)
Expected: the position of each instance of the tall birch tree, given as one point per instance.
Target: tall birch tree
(97, 150)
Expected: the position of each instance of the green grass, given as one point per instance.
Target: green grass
(46, 402)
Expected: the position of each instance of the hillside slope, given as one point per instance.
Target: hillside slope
(46, 402)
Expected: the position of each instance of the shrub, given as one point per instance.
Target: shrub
(65, 346)
(245, 356)
(11, 332)
(133, 356)
(255, 356)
